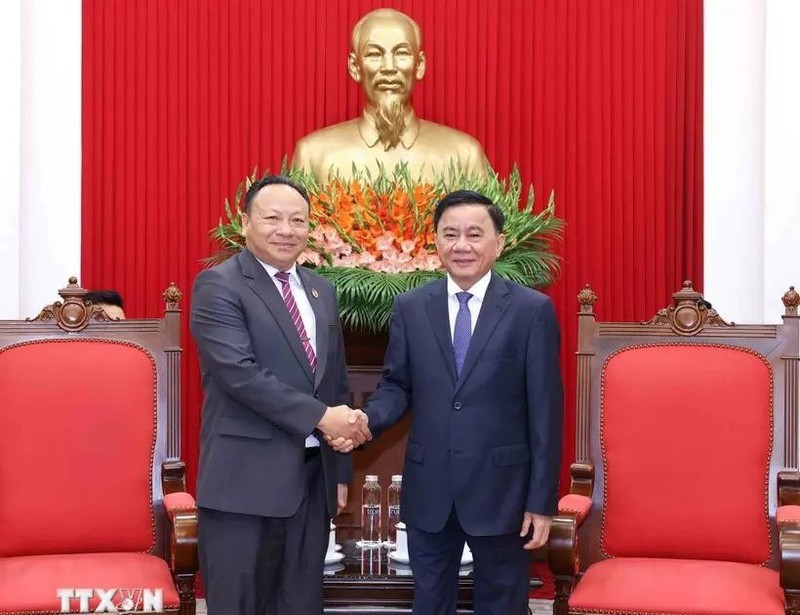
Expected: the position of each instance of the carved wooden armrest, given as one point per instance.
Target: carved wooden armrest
(581, 479)
(788, 488)
(562, 553)
(183, 540)
(182, 513)
(173, 477)
(562, 548)
(788, 518)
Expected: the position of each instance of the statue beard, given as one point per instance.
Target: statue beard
(390, 121)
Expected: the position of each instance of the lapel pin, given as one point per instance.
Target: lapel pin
(314, 293)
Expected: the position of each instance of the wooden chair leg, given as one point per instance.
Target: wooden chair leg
(792, 602)
(563, 590)
(186, 594)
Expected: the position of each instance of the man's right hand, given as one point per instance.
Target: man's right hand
(346, 426)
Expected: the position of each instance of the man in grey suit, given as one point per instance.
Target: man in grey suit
(275, 381)
(475, 358)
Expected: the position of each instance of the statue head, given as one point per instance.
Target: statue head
(387, 60)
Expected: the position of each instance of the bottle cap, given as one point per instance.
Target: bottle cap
(397, 478)
(372, 478)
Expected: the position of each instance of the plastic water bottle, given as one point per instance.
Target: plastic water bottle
(371, 512)
(393, 509)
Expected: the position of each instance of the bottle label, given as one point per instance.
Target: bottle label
(371, 524)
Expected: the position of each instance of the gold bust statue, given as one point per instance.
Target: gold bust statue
(386, 58)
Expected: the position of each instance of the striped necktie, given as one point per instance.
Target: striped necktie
(294, 312)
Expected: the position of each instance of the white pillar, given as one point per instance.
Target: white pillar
(734, 55)
(782, 155)
(10, 97)
(50, 210)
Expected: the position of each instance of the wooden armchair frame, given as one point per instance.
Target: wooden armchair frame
(574, 537)
(175, 522)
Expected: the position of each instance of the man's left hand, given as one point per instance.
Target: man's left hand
(341, 498)
(541, 529)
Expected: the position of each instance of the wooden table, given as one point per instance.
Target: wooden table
(366, 581)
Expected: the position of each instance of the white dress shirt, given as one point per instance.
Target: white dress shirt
(306, 313)
(478, 292)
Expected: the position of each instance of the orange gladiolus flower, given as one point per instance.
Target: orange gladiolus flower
(387, 231)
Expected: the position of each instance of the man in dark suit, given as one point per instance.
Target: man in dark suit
(275, 381)
(476, 360)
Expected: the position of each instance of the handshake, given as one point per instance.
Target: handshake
(344, 428)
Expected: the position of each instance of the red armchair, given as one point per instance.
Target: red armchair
(93, 499)
(685, 497)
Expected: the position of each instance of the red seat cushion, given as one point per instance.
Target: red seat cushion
(29, 583)
(673, 586)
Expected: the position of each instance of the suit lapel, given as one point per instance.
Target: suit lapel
(495, 303)
(322, 323)
(258, 279)
(440, 322)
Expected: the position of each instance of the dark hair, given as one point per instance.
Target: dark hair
(469, 197)
(109, 297)
(272, 180)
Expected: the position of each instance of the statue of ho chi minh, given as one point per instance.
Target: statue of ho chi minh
(386, 58)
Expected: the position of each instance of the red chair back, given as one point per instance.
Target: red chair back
(672, 415)
(77, 435)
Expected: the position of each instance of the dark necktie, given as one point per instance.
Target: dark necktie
(462, 331)
(294, 312)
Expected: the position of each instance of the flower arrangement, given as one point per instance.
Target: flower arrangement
(356, 225)
(373, 238)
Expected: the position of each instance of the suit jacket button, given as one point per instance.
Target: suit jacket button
(316, 393)
(457, 405)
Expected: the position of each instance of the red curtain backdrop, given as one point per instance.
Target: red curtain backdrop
(600, 101)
